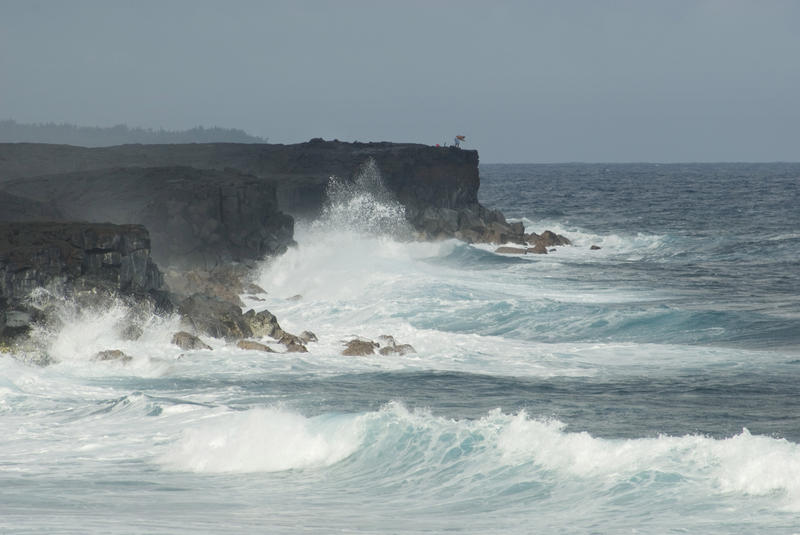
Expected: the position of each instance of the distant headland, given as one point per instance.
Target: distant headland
(12, 131)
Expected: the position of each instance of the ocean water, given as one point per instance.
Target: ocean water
(650, 386)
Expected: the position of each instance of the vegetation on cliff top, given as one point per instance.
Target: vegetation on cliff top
(95, 136)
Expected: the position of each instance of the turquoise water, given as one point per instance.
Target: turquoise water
(650, 386)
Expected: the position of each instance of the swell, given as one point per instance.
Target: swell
(498, 456)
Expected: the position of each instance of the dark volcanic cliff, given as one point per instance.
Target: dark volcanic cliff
(196, 217)
(90, 259)
(436, 176)
(437, 185)
(112, 257)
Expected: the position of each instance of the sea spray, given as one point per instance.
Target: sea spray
(361, 239)
(363, 205)
(74, 329)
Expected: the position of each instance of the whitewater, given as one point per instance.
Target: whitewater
(650, 386)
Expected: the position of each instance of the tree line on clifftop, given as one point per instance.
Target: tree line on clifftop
(121, 134)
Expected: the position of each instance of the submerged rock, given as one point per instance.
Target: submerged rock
(595, 248)
(188, 341)
(359, 348)
(253, 288)
(389, 346)
(510, 250)
(386, 340)
(112, 354)
(293, 347)
(294, 344)
(308, 336)
(400, 349)
(132, 332)
(537, 249)
(254, 346)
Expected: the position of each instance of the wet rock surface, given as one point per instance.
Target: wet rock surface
(254, 346)
(188, 341)
(386, 345)
(114, 355)
(359, 348)
(215, 317)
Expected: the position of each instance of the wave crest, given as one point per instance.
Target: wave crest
(264, 440)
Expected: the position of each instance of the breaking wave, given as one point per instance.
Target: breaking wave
(496, 453)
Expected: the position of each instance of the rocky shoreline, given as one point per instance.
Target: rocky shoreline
(176, 229)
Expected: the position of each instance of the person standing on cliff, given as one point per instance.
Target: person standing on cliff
(458, 140)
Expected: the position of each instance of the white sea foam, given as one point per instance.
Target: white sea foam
(271, 439)
(264, 440)
(77, 333)
(459, 318)
(744, 464)
(581, 239)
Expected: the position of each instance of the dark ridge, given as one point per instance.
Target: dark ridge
(96, 136)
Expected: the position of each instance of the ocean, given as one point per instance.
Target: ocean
(649, 386)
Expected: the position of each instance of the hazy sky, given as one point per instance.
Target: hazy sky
(555, 81)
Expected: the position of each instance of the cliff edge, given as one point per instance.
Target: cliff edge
(437, 185)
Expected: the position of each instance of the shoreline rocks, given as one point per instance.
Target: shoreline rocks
(536, 244)
(251, 345)
(112, 355)
(386, 345)
(212, 316)
(188, 341)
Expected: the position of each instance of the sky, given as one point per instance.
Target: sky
(529, 81)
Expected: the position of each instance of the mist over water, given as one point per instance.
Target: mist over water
(648, 386)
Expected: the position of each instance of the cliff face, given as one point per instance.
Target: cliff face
(75, 255)
(437, 185)
(196, 218)
(446, 177)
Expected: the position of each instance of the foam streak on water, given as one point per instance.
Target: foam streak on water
(649, 386)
